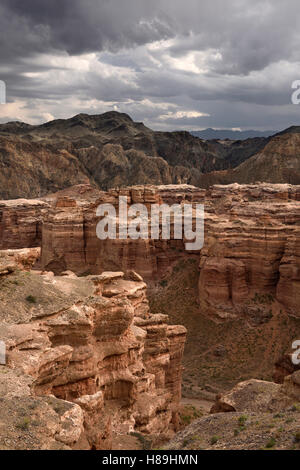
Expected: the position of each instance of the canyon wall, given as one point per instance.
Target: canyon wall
(21, 223)
(251, 251)
(88, 352)
(91, 341)
(70, 241)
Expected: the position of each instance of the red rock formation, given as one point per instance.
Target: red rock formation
(70, 241)
(288, 287)
(283, 367)
(21, 223)
(251, 243)
(251, 250)
(97, 345)
(92, 340)
(11, 260)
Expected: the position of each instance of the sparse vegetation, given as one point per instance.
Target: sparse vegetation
(24, 424)
(263, 298)
(146, 443)
(271, 443)
(214, 440)
(186, 442)
(242, 420)
(295, 407)
(31, 299)
(85, 273)
(244, 346)
(297, 437)
(189, 414)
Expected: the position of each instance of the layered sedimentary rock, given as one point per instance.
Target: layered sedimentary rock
(284, 367)
(37, 423)
(70, 240)
(24, 258)
(250, 255)
(92, 343)
(21, 223)
(251, 250)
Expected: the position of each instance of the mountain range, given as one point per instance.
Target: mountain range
(222, 134)
(111, 150)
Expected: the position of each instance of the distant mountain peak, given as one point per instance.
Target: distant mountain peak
(110, 149)
(290, 130)
(223, 134)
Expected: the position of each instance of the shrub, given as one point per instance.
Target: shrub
(242, 420)
(23, 425)
(214, 440)
(271, 443)
(146, 443)
(31, 299)
(186, 442)
(297, 437)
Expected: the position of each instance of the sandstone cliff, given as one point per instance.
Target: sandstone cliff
(250, 255)
(238, 296)
(21, 223)
(87, 363)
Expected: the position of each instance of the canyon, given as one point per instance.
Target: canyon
(76, 315)
(149, 229)
(251, 239)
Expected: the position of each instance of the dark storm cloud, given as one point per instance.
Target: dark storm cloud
(78, 26)
(235, 55)
(249, 34)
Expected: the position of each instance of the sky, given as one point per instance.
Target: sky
(173, 64)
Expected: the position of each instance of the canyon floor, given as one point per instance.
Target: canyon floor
(236, 431)
(219, 354)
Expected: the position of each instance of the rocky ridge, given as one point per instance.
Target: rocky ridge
(254, 415)
(111, 150)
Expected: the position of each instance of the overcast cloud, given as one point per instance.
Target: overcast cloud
(174, 64)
